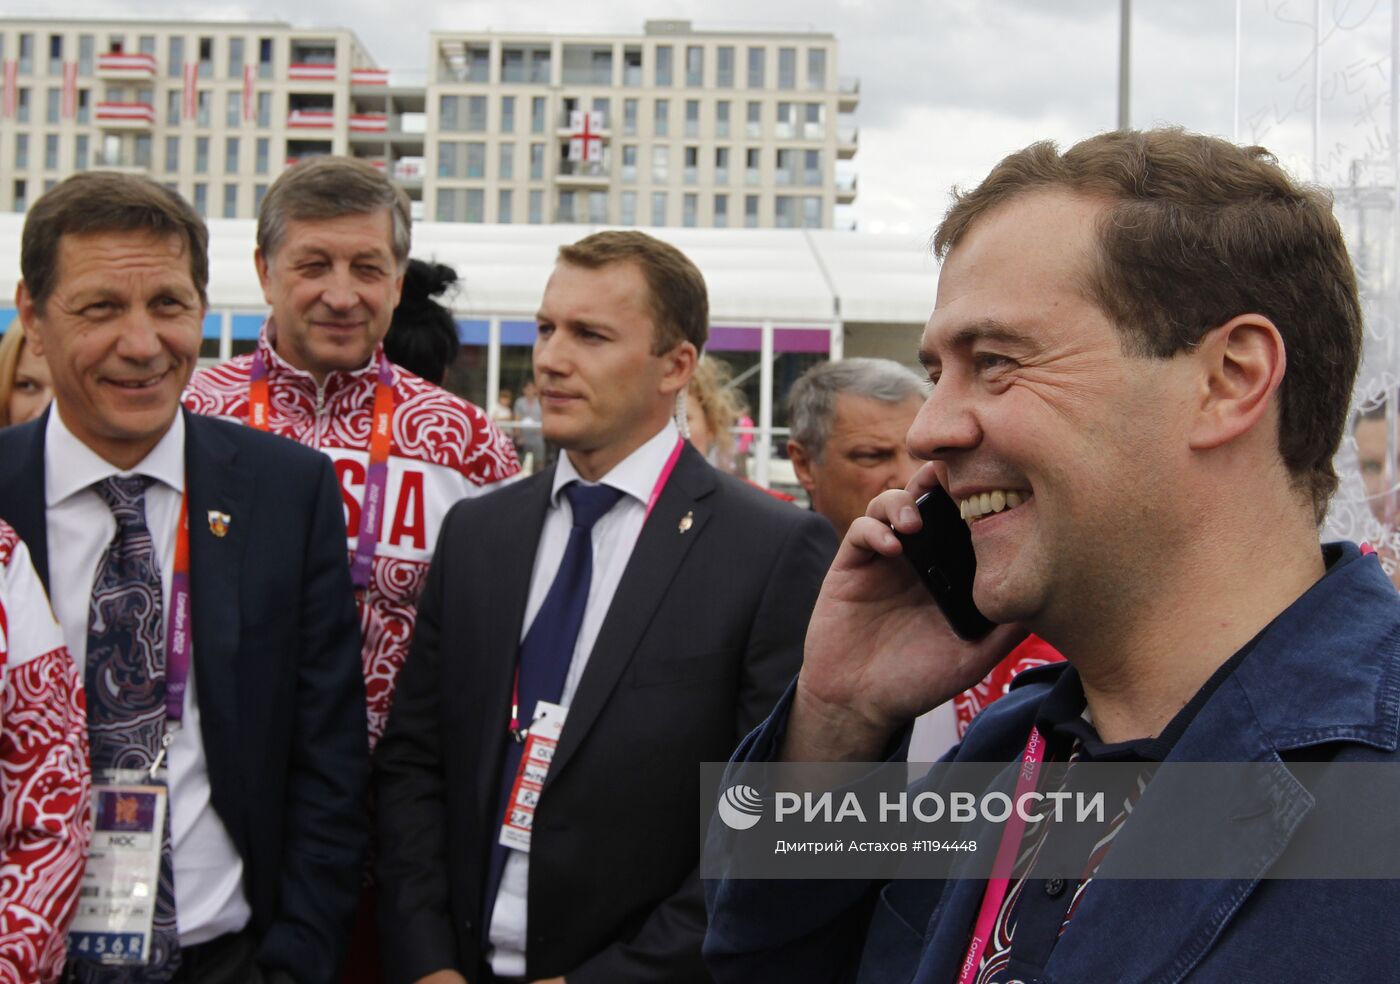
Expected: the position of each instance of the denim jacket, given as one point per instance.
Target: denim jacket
(1323, 683)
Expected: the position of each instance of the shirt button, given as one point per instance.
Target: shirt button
(1054, 887)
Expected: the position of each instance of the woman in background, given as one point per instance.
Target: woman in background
(712, 406)
(25, 384)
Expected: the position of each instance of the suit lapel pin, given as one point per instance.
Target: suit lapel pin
(218, 522)
(687, 521)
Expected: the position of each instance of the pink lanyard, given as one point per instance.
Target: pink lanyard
(995, 893)
(380, 442)
(661, 481)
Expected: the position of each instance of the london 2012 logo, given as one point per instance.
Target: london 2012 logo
(740, 807)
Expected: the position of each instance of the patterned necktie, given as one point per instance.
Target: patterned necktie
(125, 679)
(548, 647)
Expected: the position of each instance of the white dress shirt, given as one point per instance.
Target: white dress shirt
(209, 898)
(614, 536)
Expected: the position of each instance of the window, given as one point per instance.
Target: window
(447, 113)
(754, 126)
(504, 200)
(757, 57)
(507, 114)
(786, 167)
(632, 66)
(629, 117)
(663, 65)
(476, 161)
(201, 155)
(259, 193)
(691, 173)
(80, 152)
(233, 109)
(750, 211)
(629, 208)
(692, 117)
(752, 166)
(87, 48)
(201, 117)
(21, 200)
(811, 211)
(235, 58)
(565, 211)
(786, 126)
(787, 68)
(263, 154)
(51, 152)
(602, 105)
(26, 67)
(814, 122)
(476, 205)
(476, 114)
(598, 207)
(658, 208)
(264, 58)
(724, 66)
(172, 155)
(175, 60)
(721, 211)
(537, 108)
(230, 201)
(447, 160)
(22, 105)
(53, 104)
(201, 198)
(55, 54)
(661, 120)
(536, 162)
(84, 105)
(540, 72)
(812, 167)
(722, 118)
(784, 212)
(478, 65)
(230, 155)
(147, 44)
(206, 57)
(690, 205)
(629, 162)
(721, 165)
(660, 163)
(264, 109)
(505, 169)
(448, 204)
(816, 68)
(536, 207)
(694, 66)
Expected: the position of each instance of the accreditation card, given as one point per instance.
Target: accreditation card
(535, 760)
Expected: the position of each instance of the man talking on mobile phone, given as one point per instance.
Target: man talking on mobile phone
(1142, 351)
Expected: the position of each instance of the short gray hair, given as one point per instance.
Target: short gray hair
(328, 187)
(812, 401)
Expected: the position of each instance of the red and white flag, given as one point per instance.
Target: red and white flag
(11, 87)
(247, 93)
(191, 93)
(70, 90)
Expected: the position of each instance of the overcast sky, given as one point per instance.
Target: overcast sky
(950, 86)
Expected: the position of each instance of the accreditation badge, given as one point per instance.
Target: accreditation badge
(535, 760)
(117, 901)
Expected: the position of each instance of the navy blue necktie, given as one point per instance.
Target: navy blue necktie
(548, 647)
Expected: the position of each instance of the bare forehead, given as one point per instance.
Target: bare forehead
(101, 257)
(357, 233)
(596, 293)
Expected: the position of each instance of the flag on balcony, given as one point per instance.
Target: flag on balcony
(584, 143)
(69, 107)
(191, 93)
(11, 87)
(247, 93)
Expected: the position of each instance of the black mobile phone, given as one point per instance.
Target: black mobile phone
(941, 553)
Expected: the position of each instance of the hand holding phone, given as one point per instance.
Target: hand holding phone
(942, 555)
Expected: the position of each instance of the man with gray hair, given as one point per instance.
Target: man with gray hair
(847, 446)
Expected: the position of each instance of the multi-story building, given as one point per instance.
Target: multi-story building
(214, 110)
(672, 127)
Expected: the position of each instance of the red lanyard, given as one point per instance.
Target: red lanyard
(661, 481)
(995, 893)
(380, 443)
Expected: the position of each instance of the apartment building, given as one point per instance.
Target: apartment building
(214, 110)
(673, 127)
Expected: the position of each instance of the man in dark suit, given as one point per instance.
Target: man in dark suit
(651, 603)
(263, 759)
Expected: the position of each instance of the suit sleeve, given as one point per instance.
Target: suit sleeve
(411, 808)
(44, 785)
(326, 825)
(667, 947)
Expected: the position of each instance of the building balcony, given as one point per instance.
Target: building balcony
(408, 171)
(369, 77)
(118, 65)
(583, 174)
(311, 72)
(369, 123)
(847, 143)
(311, 119)
(846, 189)
(848, 94)
(125, 115)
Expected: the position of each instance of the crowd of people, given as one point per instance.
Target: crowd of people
(330, 690)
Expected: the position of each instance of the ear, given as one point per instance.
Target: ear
(801, 465)
(1241, 366)
(679, 366)
(260, 261)
(28, 318)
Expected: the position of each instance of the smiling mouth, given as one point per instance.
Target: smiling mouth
(984, 504)
(137, 384)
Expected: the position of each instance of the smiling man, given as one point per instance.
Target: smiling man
(197, 574)
(1142, 352)
(629, 613)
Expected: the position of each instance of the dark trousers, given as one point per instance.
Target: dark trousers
(225, 960)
